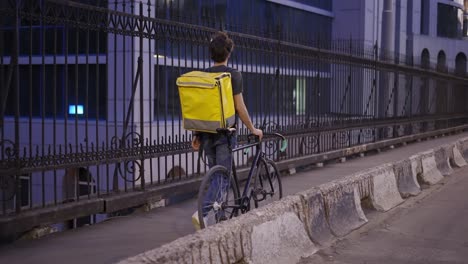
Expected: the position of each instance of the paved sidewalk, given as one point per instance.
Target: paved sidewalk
(122, 237)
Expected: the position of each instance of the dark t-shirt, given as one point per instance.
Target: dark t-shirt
(236, 77)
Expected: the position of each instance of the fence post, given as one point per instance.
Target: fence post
(142, 121)
(15, 66)
(374, 89)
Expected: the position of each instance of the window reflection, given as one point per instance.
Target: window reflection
(257, 17)
(447, 21)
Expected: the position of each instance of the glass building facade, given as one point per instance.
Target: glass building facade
(276, 20)
(66, 55)
(260, 17)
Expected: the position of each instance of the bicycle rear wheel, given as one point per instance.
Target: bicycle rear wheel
(267, 185)
(217, 197)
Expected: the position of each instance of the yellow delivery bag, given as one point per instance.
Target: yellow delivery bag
(206, 101)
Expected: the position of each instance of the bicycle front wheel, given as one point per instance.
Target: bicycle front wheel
(217, 197)
(267, 183)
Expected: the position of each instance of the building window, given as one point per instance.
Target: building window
(25, 181)
(266, 17)
(447, 21)
(424, 17)
(79, 182)
(86, 183)
(53, 39)
(57, 90)
(425, 59)
(300, 96)
(465, 27)
(166, 97)
(460, 64)
(8, 192)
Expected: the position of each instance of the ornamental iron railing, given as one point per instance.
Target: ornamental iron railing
(89, 106)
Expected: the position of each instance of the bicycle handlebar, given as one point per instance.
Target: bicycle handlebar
(284, 141)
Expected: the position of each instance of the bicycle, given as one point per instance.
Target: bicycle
(225, 201)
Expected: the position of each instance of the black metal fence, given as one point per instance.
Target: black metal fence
(89, 106)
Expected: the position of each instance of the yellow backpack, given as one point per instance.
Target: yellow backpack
(206, 101)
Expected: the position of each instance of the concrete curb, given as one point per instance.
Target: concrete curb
(342, 207)
(282, 240)
(280, 236)
(463, 143)
(315, 217)
(430, 174)
(458, 159)
(211, 246)
(290, 229)
(406, 178)
(378, 184)
(384, 192)
(442, 157)
(272, 234)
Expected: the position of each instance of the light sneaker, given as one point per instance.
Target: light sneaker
(195, 221)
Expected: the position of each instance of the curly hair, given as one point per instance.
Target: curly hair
(221, 46)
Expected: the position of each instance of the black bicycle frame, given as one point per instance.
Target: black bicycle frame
(257, 144)
(242, 201)
(255, 161)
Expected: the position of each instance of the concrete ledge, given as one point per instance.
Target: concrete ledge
(342, 207)
(12, 226)
(430, 174)
(463, 145)
(442, 157)
(458, 159)
(215, 245)
(282, 240)
(272, 234)
(210, 246)
(315, 217)
(406, 178)
(280, 235)
(384, 192)
(288, 230)
(378, 184)
(416, 167)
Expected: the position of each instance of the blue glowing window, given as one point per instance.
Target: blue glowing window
(75, 109)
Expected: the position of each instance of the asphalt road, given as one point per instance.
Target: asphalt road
(429, 228)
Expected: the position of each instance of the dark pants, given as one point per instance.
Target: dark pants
(217, 152)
